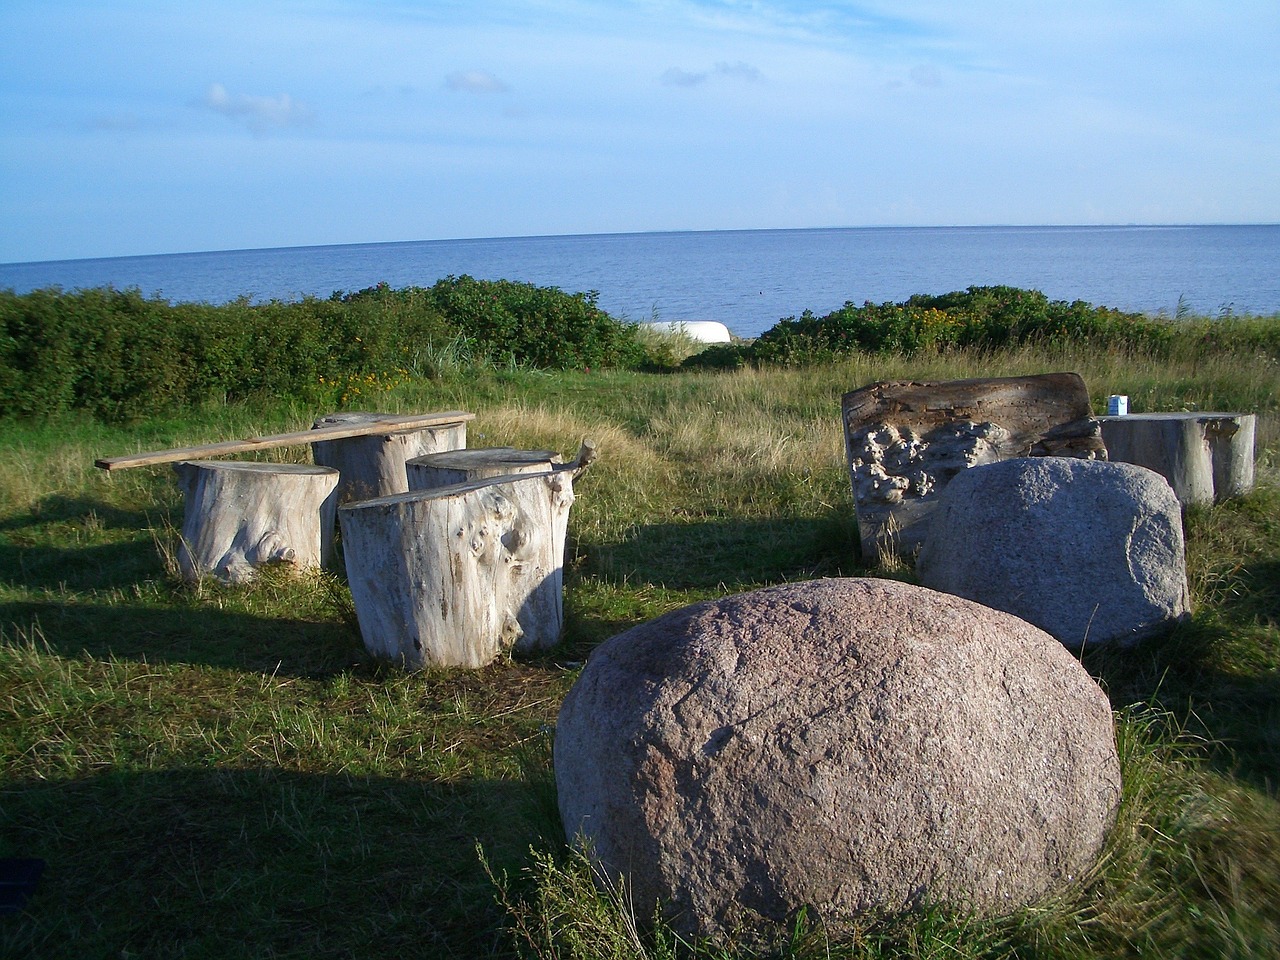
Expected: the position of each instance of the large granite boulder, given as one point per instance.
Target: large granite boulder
(844, 745)
(1089, 551)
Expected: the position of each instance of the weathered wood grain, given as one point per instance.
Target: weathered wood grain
(383, 424)
(460, 575)
(1206, 457)
(241, 516)
(372, 459)
(905, 440)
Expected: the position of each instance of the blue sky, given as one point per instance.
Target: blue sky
(139, 126)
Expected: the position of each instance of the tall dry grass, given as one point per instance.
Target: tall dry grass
(297, 798)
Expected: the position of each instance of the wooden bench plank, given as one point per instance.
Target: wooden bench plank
(389, 424)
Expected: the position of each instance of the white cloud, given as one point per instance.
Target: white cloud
(738, 71)
(926, 75)
(474, 81)
(259, 114)
(677, 77)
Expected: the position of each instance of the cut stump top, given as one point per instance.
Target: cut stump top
(479, 458)
(250, 466)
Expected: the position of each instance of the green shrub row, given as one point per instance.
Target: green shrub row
(982, 317)
(118, 354)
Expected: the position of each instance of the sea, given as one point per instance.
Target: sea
(746, 279)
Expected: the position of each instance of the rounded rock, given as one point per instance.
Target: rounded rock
(843, 745)
(1089, 551)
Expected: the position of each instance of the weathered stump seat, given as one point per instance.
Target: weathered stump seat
(372, 463)
(1206, 457)
(458, 575)
(460, 466)
(241, 516)
(906, 440)
(229, 530)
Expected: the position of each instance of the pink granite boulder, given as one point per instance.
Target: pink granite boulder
(844, 745)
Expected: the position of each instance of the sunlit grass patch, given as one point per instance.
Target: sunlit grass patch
(207, 767)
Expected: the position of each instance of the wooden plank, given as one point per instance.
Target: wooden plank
(389, 424)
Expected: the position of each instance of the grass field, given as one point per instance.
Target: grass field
(215, 772)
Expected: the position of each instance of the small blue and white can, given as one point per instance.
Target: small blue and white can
(1117, 405)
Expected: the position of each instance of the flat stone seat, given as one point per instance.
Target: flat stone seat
(1091, 552)
(1206, 457)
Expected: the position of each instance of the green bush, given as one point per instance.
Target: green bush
(984, 317)
(542, 327)
(37, 358)
(719, 356)
(120, 355)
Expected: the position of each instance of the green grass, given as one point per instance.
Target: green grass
(213, 771)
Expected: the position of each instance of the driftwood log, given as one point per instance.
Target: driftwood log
(905, 440)
(373, 464)
(1206, 457)
(460, 575)
(241, 516)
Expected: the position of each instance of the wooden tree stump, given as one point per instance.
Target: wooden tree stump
(373, 465)
(905, 440)
(478, 463)
(240, 516)
(461, 574)
(1206, 457)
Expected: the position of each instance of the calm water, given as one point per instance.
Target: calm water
(747, 279)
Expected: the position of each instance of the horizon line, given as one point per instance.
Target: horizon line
(640, 233)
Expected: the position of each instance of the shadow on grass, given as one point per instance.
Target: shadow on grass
(1260, 597)
(1238, 716)
(59, 508)
(33, 554)
(1220, 671)
(736, 553)
(113, 566)
(265, 862)
(196, 635)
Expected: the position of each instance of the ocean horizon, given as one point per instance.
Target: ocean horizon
(627, 233)
(747, 279)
